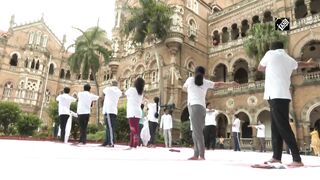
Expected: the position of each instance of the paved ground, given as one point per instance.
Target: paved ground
(41, 160)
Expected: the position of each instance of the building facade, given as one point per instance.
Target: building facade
(211, 33)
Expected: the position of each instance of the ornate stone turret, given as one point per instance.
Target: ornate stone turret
(175, 36)
(114, 68)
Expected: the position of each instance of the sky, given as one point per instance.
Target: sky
(60, 15)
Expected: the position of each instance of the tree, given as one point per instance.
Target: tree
(28, 124)
(260, 38)
(10, 113)
(89, 47)
(149, 22)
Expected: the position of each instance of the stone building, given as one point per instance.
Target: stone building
(34, 68)
(211, 33)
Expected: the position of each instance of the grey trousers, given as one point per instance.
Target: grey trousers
(197, 116)
(167, 137)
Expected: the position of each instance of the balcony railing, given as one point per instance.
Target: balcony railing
(300, 23)
(21, 96)
(242, 88)
(315, 76)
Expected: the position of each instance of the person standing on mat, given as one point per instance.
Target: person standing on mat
(236, 132)
(197, 87)
(278, 67)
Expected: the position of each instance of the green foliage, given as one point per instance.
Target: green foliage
(10, 113)
(186, 133)
(122, 126)
(28, 124)
(260, 38)
(92, 128)
(54, 115)
(98, 136)
(151, 19)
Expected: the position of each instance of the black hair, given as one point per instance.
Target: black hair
(208, 104)
(317, 126)
(198, 76)
(142, 106)
(139, 85)
(86, 87)
(276, 45)
(66, 90)
(236, 116)
(156, 100)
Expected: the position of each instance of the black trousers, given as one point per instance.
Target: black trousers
(209, 133)
(281, 130)
(110, 128)
(152, 128)
(63, 122)
(83, 123)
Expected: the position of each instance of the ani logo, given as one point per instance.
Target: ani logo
(282, 24)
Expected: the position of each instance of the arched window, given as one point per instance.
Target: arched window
(244, 28)
(255, 20)
(68, 75)
(26, 63)
(38, 40)
(14, 60)
(7, 89)
(33, 64)
(234, 31)
(62, 74)
(315, 6)
(31, 37)
(215, 38)
(300, 9)
(154, 77)
(225, 35)
(47, 98)
(191, 68)
(44, 41)
(51, 69)
(91, 77)
(267, 17)
(192, 29)
(37, 65)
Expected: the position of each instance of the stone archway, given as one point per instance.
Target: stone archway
(222, 126)
(264, 117)
(241, 71)
(246, 132)
(311, 50)
(220, 73)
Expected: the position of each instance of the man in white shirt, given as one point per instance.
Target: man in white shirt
(110, 110)
(236, 132)
(85, 99)
(260, 135)
(209, 130)
(153, 115)
(65, 101)
(166, 125)
(278, 67)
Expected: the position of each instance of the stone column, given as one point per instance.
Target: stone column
(230, 77)
(307, 3)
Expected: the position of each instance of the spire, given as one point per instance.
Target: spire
(64, 39)
(42, 17)
(12, 21)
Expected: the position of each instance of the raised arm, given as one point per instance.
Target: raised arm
(309, 64)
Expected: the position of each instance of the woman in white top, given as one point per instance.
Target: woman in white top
(166, 125)
(196, 88)
(153, 114)
(134, 101)
(65, 101)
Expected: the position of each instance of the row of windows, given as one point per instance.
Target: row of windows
(37, 38)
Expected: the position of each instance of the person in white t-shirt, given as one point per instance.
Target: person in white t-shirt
(209, 130)
(278, 67)
(85, 99)
(196, 88)
(153, 115)
(261, 135)
(65, 101)
(134, 101)
(166, 125)
(110, 111)
(236, 132)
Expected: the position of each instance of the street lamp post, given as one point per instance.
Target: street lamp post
(45, 87)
